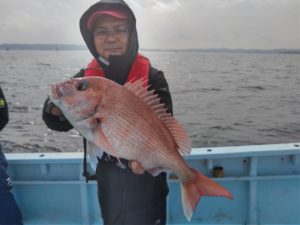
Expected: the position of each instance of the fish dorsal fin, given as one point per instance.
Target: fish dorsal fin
(138, 88)
(179, 134)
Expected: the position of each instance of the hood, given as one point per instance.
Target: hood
(110, 5)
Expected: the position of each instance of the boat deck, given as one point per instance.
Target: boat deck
(264, 179)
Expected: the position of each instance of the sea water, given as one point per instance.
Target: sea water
(222, 99)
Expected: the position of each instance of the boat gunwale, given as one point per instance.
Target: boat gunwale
(196, 153)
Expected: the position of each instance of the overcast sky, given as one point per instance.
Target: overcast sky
(264, 24)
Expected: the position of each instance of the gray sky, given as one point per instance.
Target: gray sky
(264, 24)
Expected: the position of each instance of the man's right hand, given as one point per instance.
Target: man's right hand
(136, 167)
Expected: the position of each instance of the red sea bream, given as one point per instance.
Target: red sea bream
(129, 122)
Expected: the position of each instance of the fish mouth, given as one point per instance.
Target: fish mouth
(56, 91)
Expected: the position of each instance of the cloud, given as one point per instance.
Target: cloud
(226, 23)
(155, 6)
(41, 21)
(166, 6)
(163, 23)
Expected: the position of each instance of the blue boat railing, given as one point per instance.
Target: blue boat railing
(264, 180)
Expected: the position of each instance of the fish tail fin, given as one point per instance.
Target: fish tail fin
(192, 190)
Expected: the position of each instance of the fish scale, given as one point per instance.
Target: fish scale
(132, 144)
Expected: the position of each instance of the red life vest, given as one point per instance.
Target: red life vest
(139, 69)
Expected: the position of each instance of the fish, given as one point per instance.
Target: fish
(128, 121)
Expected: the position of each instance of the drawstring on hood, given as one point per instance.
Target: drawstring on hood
(119, 65)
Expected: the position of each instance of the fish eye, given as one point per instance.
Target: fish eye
(81, 86)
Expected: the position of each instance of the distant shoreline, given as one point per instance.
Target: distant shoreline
(69, 47)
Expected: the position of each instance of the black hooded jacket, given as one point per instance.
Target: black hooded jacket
(119, 66)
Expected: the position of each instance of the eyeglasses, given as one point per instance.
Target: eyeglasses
(120, 32)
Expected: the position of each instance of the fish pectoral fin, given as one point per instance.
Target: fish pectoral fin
(155, 171)
(94, 152)
(103, 143)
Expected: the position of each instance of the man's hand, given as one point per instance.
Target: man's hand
(56, 111)
(136, 167)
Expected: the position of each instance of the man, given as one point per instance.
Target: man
(3, 110)
(9, 211)
(126, 195)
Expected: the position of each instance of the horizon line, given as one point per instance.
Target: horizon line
(145, 48)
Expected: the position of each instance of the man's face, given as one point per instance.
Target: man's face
(111, 36)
